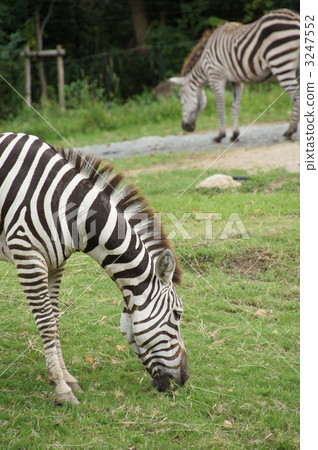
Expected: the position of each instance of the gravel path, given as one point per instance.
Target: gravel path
(255, 136)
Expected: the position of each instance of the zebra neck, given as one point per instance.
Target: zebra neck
(197, 78)
(119, 247)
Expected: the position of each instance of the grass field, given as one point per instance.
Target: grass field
(240, 328)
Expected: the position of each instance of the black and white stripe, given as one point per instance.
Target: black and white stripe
(53, 204)
(239, 54)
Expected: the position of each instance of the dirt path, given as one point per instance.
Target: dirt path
(260, 146)
(284, 155)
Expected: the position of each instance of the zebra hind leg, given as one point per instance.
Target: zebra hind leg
(295, 98)
(292, 89)
(293, 125)
(54, 282)
(33, 276)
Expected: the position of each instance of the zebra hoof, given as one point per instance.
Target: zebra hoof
(219, 137)
(288, 135)
(75, 387)
(66, 397)
(235, 136)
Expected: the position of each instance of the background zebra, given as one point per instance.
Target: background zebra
(55, 203)
(238, 53)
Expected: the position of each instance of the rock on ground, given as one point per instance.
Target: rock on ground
(219, 181)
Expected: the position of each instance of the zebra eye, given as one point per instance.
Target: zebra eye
(177, 315)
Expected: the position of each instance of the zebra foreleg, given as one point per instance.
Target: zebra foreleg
(54, 282)
(70, 380)
(237, 94)
(218, 88)
(33, 277)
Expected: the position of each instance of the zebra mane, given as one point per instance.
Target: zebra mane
(196, 52)
(126, 198)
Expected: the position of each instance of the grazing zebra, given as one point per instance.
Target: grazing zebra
(239, 54)
(54, 203)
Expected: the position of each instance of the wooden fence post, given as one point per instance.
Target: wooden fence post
(28, 81)
(59, 53)
(60, 76)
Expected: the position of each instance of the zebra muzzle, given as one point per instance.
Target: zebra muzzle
(188, 126)
(161, 382)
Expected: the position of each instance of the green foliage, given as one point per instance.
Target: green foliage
(83, 93)
(214, 21)
(100, 45)
(11, 69)
(256, 8)
(169, 46)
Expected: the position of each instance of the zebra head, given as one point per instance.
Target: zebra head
(153, 328)
(193, 101)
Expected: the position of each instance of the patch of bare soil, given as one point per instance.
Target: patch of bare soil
(251, 263)
(284, 155)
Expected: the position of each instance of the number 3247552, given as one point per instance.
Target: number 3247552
(309, 31)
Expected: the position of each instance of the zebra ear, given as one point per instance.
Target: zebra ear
(165, 266)
(178, 81)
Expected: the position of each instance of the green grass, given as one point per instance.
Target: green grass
(96, 122)
(240, 328)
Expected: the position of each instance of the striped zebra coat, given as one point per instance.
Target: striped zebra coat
(53, 204)
(239, 54)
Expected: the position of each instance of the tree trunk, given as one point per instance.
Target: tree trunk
(39, 31)
(163, 15)
(139, 19)
(39, 47)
